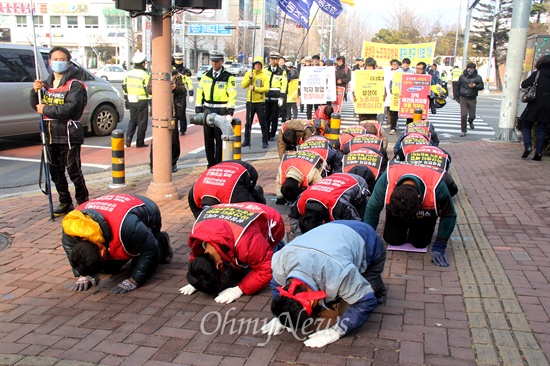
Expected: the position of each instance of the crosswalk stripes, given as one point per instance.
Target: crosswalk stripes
(446, 121)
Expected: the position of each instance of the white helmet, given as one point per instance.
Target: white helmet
(139, 57)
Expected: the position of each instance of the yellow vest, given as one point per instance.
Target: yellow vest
(292, 96)
(456, 72)
(136, 81)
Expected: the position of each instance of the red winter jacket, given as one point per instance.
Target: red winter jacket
(253, 249)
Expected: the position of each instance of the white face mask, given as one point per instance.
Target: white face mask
(60, 66)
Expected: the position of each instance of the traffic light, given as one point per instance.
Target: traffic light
(130, 5)
(198, 4)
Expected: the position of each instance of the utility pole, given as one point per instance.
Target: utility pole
(456, 34)
(492, 45)
(162, 188)
(514, 63)
(467, 33)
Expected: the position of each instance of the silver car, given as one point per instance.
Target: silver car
(237, 69)
(105, 106)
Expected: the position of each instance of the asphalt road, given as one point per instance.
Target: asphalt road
(20, 157)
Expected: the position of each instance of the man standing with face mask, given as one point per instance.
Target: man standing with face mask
(63, 99)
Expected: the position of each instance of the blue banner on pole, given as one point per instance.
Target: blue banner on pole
(298, 10)
(331, 7)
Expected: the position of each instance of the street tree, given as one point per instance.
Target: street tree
(540, 13)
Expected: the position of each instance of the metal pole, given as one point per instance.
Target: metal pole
(330, 38)
(307, 32)
(44, 159)
(467, 33)
(514, 63)
(495, 19)
(282, 32)
(456, 34)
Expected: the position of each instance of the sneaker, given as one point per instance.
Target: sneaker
(463, 134)
(182, 133)
(245, 144)
(272, 138)
(264, 145)
(174, 168)
(128, 142)
(62, 209)
(392, 132)
(471, 125)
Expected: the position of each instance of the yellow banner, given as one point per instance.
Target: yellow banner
(396, 91)
(369, 91)
(384, 53)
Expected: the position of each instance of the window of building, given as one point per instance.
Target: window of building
(39, 21)
(55, 21)
(117, 22)
(72, 22)
(91, 22)
(21, 20)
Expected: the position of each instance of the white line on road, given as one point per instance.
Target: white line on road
(196, 151)
(38, 161)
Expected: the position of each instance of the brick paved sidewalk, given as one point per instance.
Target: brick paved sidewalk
(489, 307)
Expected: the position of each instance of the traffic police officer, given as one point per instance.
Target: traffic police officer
(276, 95)
(455, 75)
(218, 93)
(135, 90)
(180, 101)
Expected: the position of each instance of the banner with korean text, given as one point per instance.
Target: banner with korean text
(369, 91)
(384, 53)
(415, 90)
(313, 85)
(396, 91)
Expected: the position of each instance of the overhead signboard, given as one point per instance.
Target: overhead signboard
(208, 29)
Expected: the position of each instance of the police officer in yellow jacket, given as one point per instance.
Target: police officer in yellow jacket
(181, 99)
(257, 83)
(276, 95)
(216, 92)
(455, 75)
(135, 90)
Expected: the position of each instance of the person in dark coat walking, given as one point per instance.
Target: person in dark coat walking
(469, 85)
(538, 110)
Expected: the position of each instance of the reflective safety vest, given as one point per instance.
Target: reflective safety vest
(456, 73)
(421, 127)
(429, 176)
(238, 216)
(56, 96)
(292, 95)
(365, 156)
(348, 133)
(320, 144)
(429, 156)
(412, 141)
(218, 182)
(366, 140)
(136, 82)
(327, 192)
(278, 82)
(217, 93)
(304, 161)
(114, 208)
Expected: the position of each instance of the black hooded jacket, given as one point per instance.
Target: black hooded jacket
(59, 114)
(464, 84)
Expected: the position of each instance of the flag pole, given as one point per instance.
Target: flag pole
(249, 112)
(44, 158)
(305, 36)
(282, 31)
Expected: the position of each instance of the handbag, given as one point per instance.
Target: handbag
(531, 94)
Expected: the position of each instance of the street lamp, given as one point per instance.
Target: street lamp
(493, 30)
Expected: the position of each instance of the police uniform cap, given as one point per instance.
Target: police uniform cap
(289, 64)
(178, 56)
(274, 55)
(309, 59)
(216, 56)
(139, 57)
(359, 59)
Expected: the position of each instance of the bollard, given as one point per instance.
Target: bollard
(417, 116)
(334, 133)
(236, 122)
(117, 160)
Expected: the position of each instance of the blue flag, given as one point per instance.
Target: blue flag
(331, 7)
(298, 10)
